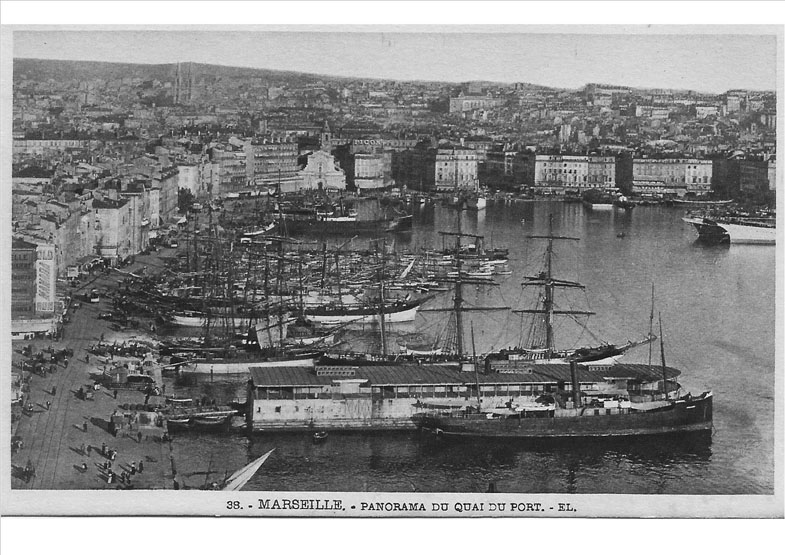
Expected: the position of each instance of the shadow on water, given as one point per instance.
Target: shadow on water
(661, 449)
(715, 244)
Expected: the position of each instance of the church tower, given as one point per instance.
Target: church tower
(326, 137)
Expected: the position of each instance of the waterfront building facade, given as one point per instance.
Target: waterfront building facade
(672, 176)
(566, 173)
(368, 172)
(446, 169)
(757, 175)
(454, 169)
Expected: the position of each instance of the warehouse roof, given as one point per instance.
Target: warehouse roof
(414, 374)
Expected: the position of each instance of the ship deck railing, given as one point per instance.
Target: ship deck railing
(586, 411)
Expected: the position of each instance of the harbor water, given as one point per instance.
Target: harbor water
(716, 304)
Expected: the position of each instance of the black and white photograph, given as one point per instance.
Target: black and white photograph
(392, 271)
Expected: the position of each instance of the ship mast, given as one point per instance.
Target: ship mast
(382, 325)
(458, 297)
(549, 283)
(662, 356)
(476, 374)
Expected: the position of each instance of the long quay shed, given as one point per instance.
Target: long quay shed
(434, 380)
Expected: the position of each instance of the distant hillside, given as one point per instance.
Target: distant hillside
(63, 70)
(42, 70)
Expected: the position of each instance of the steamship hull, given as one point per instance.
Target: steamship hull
(683, 415)
(735, 233)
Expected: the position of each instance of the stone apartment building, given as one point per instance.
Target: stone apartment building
(672, 176)
(757, 176)
(229, 171)
(568, 173)
(468, 103)
(368, 171)
(444, 169)
(166, 180)
(114, 223)
(270, 162)
(23, 278)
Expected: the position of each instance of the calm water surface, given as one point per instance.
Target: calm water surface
(717, 309)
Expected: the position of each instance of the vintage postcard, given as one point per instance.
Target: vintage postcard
(392, 272)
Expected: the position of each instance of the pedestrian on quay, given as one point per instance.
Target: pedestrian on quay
(54, 390)
(103, 449)
(133, 468)
(112, 454)
(82, 449)
(84, 426)
(87, 358)
(115, 394)
(48, 404)
(141, 466)
(139, 436)
(89, 449)
(84, 467)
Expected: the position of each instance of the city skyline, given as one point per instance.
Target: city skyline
(715, 62)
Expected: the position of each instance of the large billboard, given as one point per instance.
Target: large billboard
(46, 279)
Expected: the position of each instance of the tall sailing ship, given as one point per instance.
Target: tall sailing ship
(586, 400)
(538, 346)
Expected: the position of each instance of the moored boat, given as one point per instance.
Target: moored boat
(400, 311)
(319, 437)
(476, 203)
(613, 418)
(750, 231)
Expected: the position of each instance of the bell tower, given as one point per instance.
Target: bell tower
(326, 137)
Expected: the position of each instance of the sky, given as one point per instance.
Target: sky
(687, 58)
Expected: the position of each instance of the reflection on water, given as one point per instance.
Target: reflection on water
(400, 461)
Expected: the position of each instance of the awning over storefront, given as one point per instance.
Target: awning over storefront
(33, 325)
